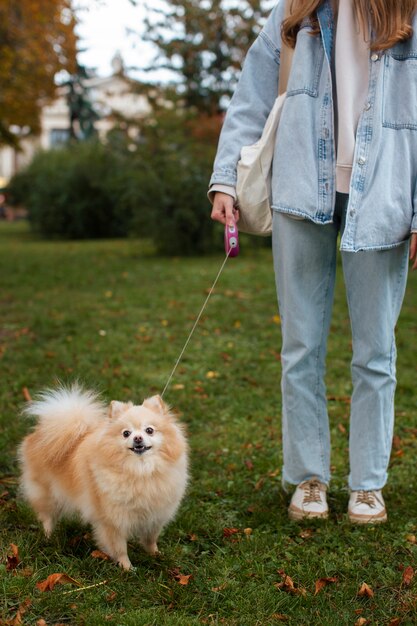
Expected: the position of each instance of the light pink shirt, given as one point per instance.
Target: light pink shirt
(352, 82)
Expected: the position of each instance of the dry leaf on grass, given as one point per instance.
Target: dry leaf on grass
(365, 591)
(228, 532)
(182, 579)
(18, 618)
(287, 585)
(361, 621)
(56, 579)
(280, 617)
(408, 575)
(98, 554)
(26, 394)
(322, 582)
(220, 587)
(13, 560)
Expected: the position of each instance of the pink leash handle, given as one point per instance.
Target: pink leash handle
(231, 240)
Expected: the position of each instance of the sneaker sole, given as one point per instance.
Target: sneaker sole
(297, 515)
(380, 518)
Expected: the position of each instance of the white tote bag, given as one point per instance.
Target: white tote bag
(254, 173)
(254, 169)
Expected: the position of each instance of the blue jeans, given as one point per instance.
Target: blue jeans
(305, 267)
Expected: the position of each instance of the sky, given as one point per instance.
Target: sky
(103, 30)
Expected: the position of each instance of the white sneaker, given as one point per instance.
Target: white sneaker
(367, 507)
(309, 501)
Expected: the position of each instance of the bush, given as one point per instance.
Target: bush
(70, 193)
(155, 187)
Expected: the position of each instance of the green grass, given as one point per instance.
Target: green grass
(115, 316)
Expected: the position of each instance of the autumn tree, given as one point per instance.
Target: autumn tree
(204, 42)
(37, 41)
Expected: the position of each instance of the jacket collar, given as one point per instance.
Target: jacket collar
(325, 16)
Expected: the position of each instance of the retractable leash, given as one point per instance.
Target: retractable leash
(231, 247)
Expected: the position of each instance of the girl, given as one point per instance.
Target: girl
(345, 164)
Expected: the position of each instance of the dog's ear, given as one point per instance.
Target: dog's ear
(117, 408)
(156, 404)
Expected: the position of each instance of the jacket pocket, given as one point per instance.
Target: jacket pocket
(399, 105)
(307, 64)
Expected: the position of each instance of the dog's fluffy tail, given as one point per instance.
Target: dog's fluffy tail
(64, 416)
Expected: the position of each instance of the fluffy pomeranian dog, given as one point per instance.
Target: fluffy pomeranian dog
(122, 468)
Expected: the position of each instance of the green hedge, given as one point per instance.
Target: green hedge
(153, 187)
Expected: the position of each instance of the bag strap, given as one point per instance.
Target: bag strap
(285, 57)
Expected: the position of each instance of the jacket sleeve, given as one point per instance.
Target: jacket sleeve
(253, 99)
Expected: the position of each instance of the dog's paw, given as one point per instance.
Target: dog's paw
(124, 563)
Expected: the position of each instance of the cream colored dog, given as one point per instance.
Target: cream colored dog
(123, 469)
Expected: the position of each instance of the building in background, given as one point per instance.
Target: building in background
(113, 98)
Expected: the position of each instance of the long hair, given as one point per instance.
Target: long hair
(390, 20)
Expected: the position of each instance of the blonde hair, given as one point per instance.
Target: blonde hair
(390, 20)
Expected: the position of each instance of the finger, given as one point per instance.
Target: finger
(218, 214)
(230, 214)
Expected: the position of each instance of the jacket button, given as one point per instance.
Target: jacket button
(361, 160)
(368, 106)
(375, 57)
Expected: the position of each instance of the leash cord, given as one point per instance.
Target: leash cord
(196, 323)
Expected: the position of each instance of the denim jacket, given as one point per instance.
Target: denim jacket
(382, 208)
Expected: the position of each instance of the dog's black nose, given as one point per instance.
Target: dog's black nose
(138, 439)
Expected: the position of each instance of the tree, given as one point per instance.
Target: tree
(204, 43)
(37, 41)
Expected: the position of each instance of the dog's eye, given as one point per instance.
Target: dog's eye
(149, 430)
(126, 434)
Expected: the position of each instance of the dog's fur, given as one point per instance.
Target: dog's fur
(83, 458)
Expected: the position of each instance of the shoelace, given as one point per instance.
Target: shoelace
(366, 497)
(311, 492)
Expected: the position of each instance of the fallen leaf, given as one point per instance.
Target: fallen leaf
(361, 621)
(366, 591)
(41, 622)
(396, 442)
(287, 585)
(248, 531)
(184, 579)
(249, 464)
(280, 617)
(228, 532)
(220, 588)
(13, 560)
(306, 533)
(178, 387)
(56, 579)
(18, 618)
(276, 319)
(212, 374)
(111, 596)
(411, 539)
(260, 483)
(408, 575)
(395, 621)
(98, 554)
(322, 582)
(342, 429)
(192, 537)
(26, 394)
